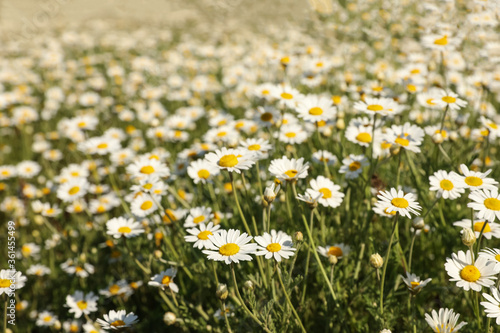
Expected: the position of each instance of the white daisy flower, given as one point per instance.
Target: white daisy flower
(260, 147)
(339, 250)
(382, 106)
(486, 203)
(202, 171)
(474, 180)
(232, 160)
(445, 321)
(408, 136)
(231, 246)
(322, 156)
(492, 255)
(492, 304)
(80, 304)
(381, 208)
(289, 169)
(286, 95)
(275, 245)
(143, 205)
(361, 135)
(491, 229)
(122, 227)
(450, 99)
(165, 280)
(315, 108)
(413, 282)
(199, 235)
(402, 203)
(9, 277)
(117, 320)
(198, 215)
(147, 167)
(292, 134)
(332, 197)
(468, 274)
(445, 185)
(352, 166)
(73, 189)
(46, 318)
(38, 270)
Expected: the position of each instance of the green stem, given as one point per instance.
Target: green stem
(411, 251)
(235, 195)
(278, 271)
(394, 227)
(225, 317)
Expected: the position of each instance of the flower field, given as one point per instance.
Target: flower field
(338, 174)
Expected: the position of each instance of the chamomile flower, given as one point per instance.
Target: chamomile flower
(198, 215)
(122, 227)
(7, 278)
(292, 134)
(315, 108)
(260, 147)
(413, 282)
(144, 204)
(73, 189)
(275, 245)
(492, 255)
(232, 160)
(352, 166)
(146, 167)
(199, 235)
(450, 100)
(332, 197)
(486, 203)
(117, 320)
(28, 169)
(468, 274)
(322, 156)
(399, 202)
(202, 171)
(382, 106)
(492, 304)
(408, 136)
(474, 180)
(382, 209)
(445, 185)
(491, 229)
(445, 321)
(231, 246)
(46, 318)
(7, 171)
(80, 304)
(289, 169)
(38, 270)
(339, 250)
(286, 96)
(361, 135)
(165, 280)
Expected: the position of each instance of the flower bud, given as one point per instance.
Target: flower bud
(332, 259)
(158, 253)
(376, 261)
(418, 223)
(248, 285)
(299, 237)
(454, 136)
(437, 138)
(395, 149)
(169, 318)
(340, 124)
(222, 292)
(468, 237)
(270, 193)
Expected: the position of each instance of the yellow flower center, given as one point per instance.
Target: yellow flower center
(389, 213)
(478, 226)
(449, 99)
(290, 135)
(229, 249)
(442, 41)
(492, 203)
(47, 319)
(470, 273)
(204, 235)
(220, 134)
(267, 116)
(114, 289)
(166, 279)
(402, 141)
(446, 185)
(291, 173)
(326, 193)
(74, 190)
(5, 283)
(228, 161)
(497, 257)
(316, 111)
(265, 92)
(118, 323)
(147, 186)
(473, 181)
(364, 137)
(254, 147)
(493, 125)
(430, 101)
(336, 99)
(335, 251)
(385, 145)
(354, 166)
(414, 284)
(82, 305)
(273, 247)
(400, 202)
(82, 124)
(203, 173)
(124, 230)
(102, 146)
(375, 107)
(148, 169)
(286, 95)
(146, 205)
(199, 219)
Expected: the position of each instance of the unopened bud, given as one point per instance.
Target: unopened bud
(437, 138)
(454, 136)
(222, 292)
(57, 325)
(376, 261)
(418, 223)
(299, 237)
(340, 124)
(468, 237)
(270, 192)
(333, 260)
(327, 132)
(248, 285)
(169, 318)
(395, 149)
(158, 254)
